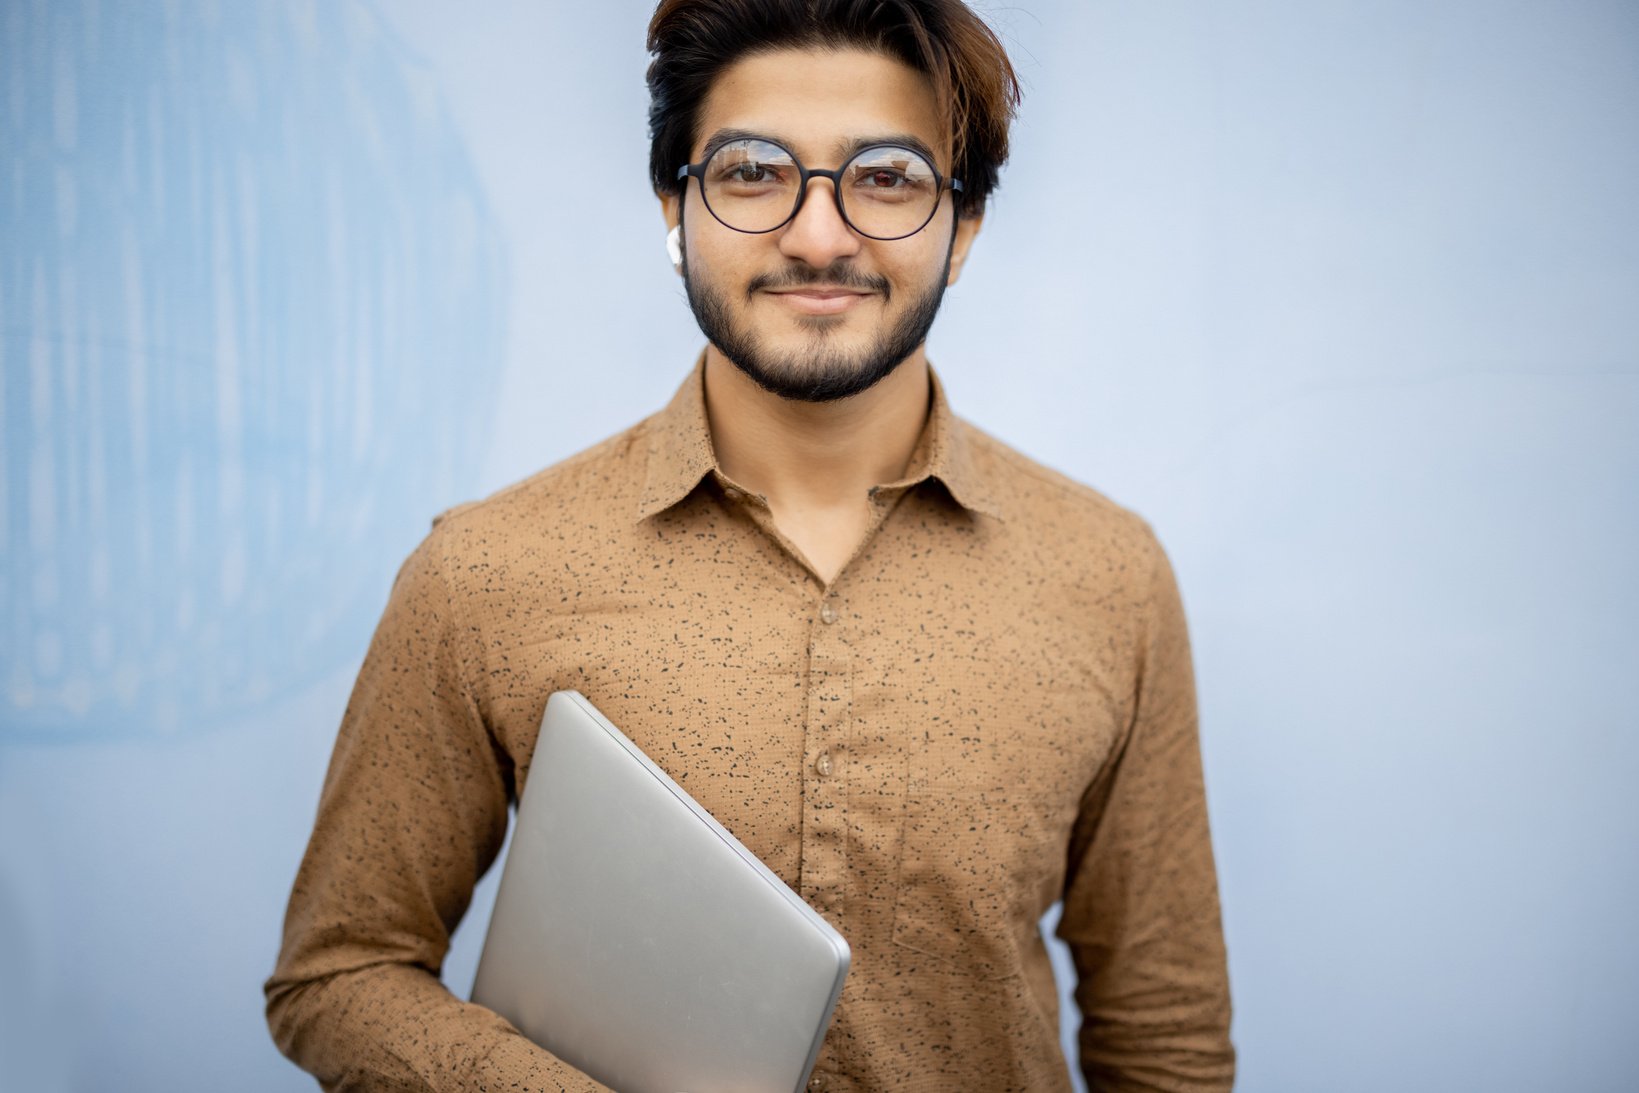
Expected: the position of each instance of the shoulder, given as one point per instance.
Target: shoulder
(599, 479)
(1088, 551)
(1050, 506)
(571, 503)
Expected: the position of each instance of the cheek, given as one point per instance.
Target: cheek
(922, 257)
(923, 268)
(698, 228)
(715, 252)
(722, 260)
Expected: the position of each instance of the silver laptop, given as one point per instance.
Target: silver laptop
(635, 939)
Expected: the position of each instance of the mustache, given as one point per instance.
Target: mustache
(840, 274)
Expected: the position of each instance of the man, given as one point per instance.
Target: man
(934, 686)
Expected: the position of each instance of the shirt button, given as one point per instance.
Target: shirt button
(823, 764)
(828, 614)
(734, 493)
(816, 1082)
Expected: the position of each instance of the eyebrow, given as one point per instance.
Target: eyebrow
(843, 149)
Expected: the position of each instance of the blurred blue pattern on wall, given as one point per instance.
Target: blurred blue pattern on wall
(251, 318)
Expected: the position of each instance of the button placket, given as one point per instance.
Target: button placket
(824, 832)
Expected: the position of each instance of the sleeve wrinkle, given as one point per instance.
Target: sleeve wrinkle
(1141, 900)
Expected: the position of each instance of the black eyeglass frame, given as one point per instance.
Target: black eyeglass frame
(698, 172)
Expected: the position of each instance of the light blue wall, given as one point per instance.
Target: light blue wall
(1342, 296)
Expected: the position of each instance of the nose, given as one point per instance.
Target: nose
(818, 235)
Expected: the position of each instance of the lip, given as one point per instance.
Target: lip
(820, 300)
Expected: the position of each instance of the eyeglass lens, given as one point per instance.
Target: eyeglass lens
(886, 192)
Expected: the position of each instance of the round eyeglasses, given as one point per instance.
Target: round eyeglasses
(884, 191)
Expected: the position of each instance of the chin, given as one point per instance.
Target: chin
(813, 358)
(823, 376)
(823, 334)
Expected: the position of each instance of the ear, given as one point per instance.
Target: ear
(671, 209)
(966, 230)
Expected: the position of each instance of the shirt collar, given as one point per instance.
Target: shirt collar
(681, 454)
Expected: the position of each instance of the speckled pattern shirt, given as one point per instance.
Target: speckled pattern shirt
(990, 708)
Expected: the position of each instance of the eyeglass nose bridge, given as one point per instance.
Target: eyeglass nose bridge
(804, 176)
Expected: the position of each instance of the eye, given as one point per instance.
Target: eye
(750, 169)
(884, 178)
(891, 175)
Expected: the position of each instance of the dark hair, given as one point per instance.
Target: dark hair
(694, 40)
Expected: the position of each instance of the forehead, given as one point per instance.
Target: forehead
(816, 101)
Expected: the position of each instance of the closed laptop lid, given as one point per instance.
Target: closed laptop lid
(637, 940)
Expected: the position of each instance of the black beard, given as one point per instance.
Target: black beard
(824, 374)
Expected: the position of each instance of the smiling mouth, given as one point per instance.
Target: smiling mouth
(820, 299)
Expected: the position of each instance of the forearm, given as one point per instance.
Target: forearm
(414, 809)
(1185, 1074)
(1166, 1031)
(1154, 987)
(394, 1027)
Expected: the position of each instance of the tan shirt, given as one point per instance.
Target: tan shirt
(989, 709)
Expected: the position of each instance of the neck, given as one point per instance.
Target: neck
(814, 454)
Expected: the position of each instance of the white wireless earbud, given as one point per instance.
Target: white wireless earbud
(674, 247)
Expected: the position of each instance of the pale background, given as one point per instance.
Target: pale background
(1343, 296)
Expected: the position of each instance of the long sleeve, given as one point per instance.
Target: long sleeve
(1141, 912)
(414, 809)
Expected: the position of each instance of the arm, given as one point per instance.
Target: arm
(413, 811)
(1141, 893)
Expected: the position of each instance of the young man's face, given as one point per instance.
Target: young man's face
(815, 310)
